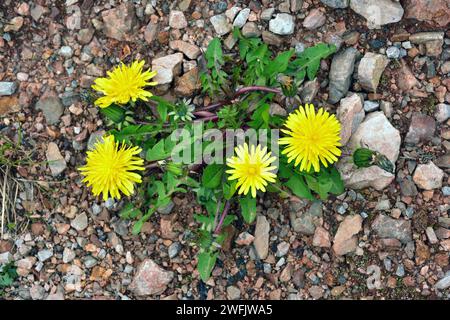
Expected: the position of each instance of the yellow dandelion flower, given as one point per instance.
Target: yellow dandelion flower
(123, 84)
(251, 168)
(313, 138)
(109, 168)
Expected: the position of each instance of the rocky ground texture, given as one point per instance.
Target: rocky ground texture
(387, 236)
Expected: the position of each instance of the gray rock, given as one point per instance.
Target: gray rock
(44, 255)
(68, 255)
(428, 176)
(90, 262)
(150, 279)
(56, 161)
(95, 137)
(66, 51)
(51, 106)
(233, 293)
(221, 24)
(306, 222)
(341, 73)
(266, 14)
(370, 106)
(7, 88)
(370, 69)
(167, 68)
(393, 52)
(444, 283)
(261, 242)
(315, 19)
(309, 90)
(376, 133)
(282, 249)
(296, 5)
(442, 112)
(378, 12)
(37, 292)
(400, 272)
(446, 191)
(387, 227)
(337, 4)
(174, 249)
(177, 20)
(408, 188)
(80, 222)
(250, 30)
(283, 24)
(350, 114)
(421, 129)
(241, 18)
(5, 258)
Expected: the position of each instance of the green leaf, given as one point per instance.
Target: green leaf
(310, 58)
(299, 187)
(157, 152)
(338, 185)
(206, 263)
(114, 112)
(248, 207)
(212, 175)
(229, 189)
(134, 131)
(279, 64)
(129, 212)
(214, 55)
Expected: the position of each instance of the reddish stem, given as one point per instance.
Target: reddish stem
(222, 218)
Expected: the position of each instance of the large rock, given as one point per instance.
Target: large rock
(370, 69)
(56, 161)
(283, 24)
(345, 240)
(350, 114)
(421, 128)
(428, 176)
(51, 106)
(378, 12)
(190, 50)
(188, 83)
(341, 74)
(120, 23)
(432, 11)
(307, 221)
(441, 114)
(150, 279)
(167, 67)
(261, 241)
(9, 105)
(177, 20)
(221, 24)
(378, 134)
(387, 227)
(7, 88)
(315, 19)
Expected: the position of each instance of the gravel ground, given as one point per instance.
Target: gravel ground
(386, 237)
